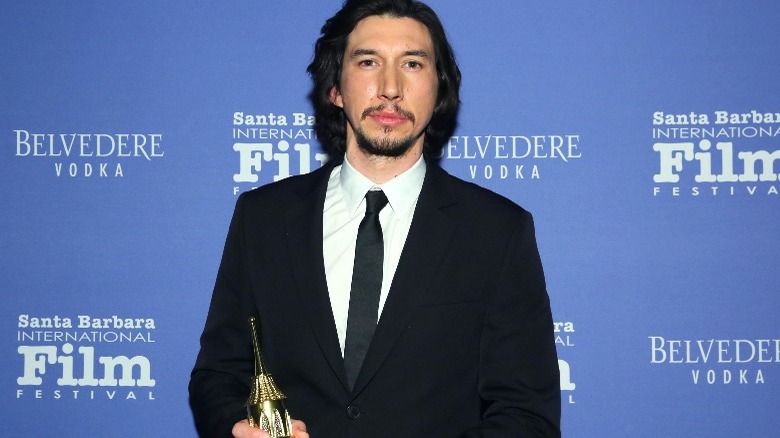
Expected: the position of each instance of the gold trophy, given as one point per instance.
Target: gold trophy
(265, 408)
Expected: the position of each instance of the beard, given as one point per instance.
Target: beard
(384, 146)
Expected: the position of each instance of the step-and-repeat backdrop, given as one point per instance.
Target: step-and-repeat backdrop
(643, 136)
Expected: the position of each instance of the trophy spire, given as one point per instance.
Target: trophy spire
(265, 407)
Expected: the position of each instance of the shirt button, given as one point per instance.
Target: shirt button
(353, 412)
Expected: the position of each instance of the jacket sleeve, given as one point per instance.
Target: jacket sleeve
(219, 383)
(519, 378)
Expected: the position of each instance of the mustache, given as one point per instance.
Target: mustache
(388, 106)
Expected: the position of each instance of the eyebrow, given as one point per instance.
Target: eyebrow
(362, 52)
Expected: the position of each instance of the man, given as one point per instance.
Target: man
(464, 343)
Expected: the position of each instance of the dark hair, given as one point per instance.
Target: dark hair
(325, 70)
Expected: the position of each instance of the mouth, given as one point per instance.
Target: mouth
(388, 115)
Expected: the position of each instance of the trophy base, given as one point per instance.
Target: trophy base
(271, 416)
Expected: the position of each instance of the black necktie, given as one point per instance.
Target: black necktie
(366, 286)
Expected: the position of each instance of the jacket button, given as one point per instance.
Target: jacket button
(353, 412)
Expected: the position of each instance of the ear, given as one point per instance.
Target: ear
(335, 97)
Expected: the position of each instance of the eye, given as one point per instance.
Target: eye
(366, 63)
(414, 65)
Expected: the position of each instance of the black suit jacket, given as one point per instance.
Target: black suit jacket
(464, 345)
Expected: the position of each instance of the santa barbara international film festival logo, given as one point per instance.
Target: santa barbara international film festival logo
(88, 155)
(84, 357)
(564, 340)
(719, 153)
(713, 361)
(273, 145)
(279, 145)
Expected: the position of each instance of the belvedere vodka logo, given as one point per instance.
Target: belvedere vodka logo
(713, 361)
(84, 357)
(88, 155)
(273, 146)
(718, 154)
(518, 156)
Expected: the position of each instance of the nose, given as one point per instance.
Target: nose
(390, 88)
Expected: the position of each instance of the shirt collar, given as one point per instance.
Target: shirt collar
(402, 191)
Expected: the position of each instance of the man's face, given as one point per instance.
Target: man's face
(388, 85)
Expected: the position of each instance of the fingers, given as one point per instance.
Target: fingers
(242, 429)
(299, 429)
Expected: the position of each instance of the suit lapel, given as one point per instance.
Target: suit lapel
(304, 237)
(426, 244)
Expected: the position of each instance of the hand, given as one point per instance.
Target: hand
(242, 429)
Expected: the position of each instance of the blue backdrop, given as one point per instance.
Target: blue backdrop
(643, 136)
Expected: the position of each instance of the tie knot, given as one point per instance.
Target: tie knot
(375, 201)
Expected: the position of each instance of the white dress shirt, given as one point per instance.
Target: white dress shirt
(345, 206)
